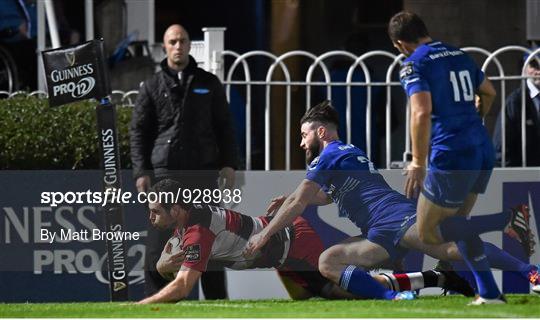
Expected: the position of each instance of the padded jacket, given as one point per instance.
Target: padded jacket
(181, 124)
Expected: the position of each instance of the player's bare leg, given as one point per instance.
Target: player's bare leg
(345, 264)
(353, 251)
(468, 204)
(447, 251)
(428, 217)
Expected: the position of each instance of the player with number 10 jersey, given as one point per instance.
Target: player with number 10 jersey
(452, 78)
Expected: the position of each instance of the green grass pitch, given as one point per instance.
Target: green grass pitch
(428, 306)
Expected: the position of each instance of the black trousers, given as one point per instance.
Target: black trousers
(213, 282)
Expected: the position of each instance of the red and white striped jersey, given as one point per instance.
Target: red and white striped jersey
(220, 235)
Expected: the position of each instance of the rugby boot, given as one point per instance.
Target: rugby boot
(452, 281)
(518, 228)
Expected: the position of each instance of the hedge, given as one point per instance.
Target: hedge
(36, 136)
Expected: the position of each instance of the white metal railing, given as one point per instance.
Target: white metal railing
(306, 82)
(368, 83)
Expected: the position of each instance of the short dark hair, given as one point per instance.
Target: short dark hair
(167, 185)
(407, 26)
(323, 113)
(534, 63)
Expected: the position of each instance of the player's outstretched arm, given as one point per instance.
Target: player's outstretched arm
(176, 290)
(320, 199)
(293, 207)
(487, 94)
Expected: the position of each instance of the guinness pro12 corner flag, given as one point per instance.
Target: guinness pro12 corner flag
(78, 73)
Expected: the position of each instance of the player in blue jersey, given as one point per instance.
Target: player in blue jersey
(342, 173)
(449, 95)
(441, 82)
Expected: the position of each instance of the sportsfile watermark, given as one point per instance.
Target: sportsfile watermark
(117, 196)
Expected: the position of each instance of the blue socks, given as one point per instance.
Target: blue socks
(489, 222)
(501, 260)
(454, 228)
(471, 247)
(472, 251)
(360, 283)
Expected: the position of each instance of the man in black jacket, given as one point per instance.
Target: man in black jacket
(181, 128)
(513, 122)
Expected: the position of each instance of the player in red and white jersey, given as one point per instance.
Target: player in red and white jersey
(215, 233)
(217, 236)
(205, 234)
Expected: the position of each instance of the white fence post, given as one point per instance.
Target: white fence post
(89, 19)
(40, 45)
(214, 45)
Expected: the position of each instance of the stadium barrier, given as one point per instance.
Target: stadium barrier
(356, 63)
(37, 271)
(360, 81)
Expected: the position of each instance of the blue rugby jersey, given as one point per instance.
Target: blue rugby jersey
(452, 78)
(345, 173)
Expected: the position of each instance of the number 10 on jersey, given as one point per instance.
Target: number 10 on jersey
(463, 87)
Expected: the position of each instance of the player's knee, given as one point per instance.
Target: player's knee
(329, 264)
(324, 263)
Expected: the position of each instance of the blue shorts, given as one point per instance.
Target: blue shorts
(388, 233)
(453, 175)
